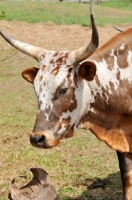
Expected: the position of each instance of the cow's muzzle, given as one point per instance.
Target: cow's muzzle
(44, 140)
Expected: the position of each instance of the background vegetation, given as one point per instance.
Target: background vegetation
(66, 13)
(76, 162)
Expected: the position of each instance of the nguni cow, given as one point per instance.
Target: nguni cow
(85, 88)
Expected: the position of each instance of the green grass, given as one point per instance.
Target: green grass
(122, 5)
(65, 13)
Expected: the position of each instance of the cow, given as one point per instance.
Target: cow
(86, 88)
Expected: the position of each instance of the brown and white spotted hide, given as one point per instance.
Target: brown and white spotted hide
(83, 88)
(61, 87)
(61, 97)
(110, 113)
(73, 96)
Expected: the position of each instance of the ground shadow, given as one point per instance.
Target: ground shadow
(111, 189)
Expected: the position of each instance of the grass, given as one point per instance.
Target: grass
(122, 5)
(65, 13)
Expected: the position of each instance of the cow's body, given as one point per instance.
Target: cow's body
(94, 95)
(111, 92)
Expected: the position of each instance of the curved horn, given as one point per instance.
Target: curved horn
(82, 53)
(28, 49)
(118, 29)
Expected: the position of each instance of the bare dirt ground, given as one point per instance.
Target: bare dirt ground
(54, 37)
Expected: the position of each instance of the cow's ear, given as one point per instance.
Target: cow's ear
(29, 74)
(87, 70)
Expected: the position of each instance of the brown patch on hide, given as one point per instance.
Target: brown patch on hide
(69, 133)
(42, 124)
(114, 138)
(114, 129)
(66, 121)
(59, 58)
(65, 102)
(44, 83)
(43, 68)
(59, 61)
(56, 54)
(122, 57)
(41, 77)
(112, 88)
(40, 89)
(68, 79)
(97, 80)
(118, 75)
(41, 57)
(52, 61)
(73, 105)
(55, 71)
(39, 105)
(75, 79)
(114, 100)
(110, 62)
(114, 44)
(56, 94)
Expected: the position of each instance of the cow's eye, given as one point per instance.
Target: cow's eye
(63, 91)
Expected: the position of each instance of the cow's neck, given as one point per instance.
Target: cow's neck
(109, 114)
(112, 83)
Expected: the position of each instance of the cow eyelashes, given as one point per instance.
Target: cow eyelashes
(63, 91)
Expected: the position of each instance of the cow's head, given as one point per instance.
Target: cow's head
(58, 84)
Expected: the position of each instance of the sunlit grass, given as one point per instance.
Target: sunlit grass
(122, 5)
(65, 13)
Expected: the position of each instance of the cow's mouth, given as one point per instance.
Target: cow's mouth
(44, 140)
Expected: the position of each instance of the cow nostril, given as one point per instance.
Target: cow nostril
(41, 139)
(37, 140)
